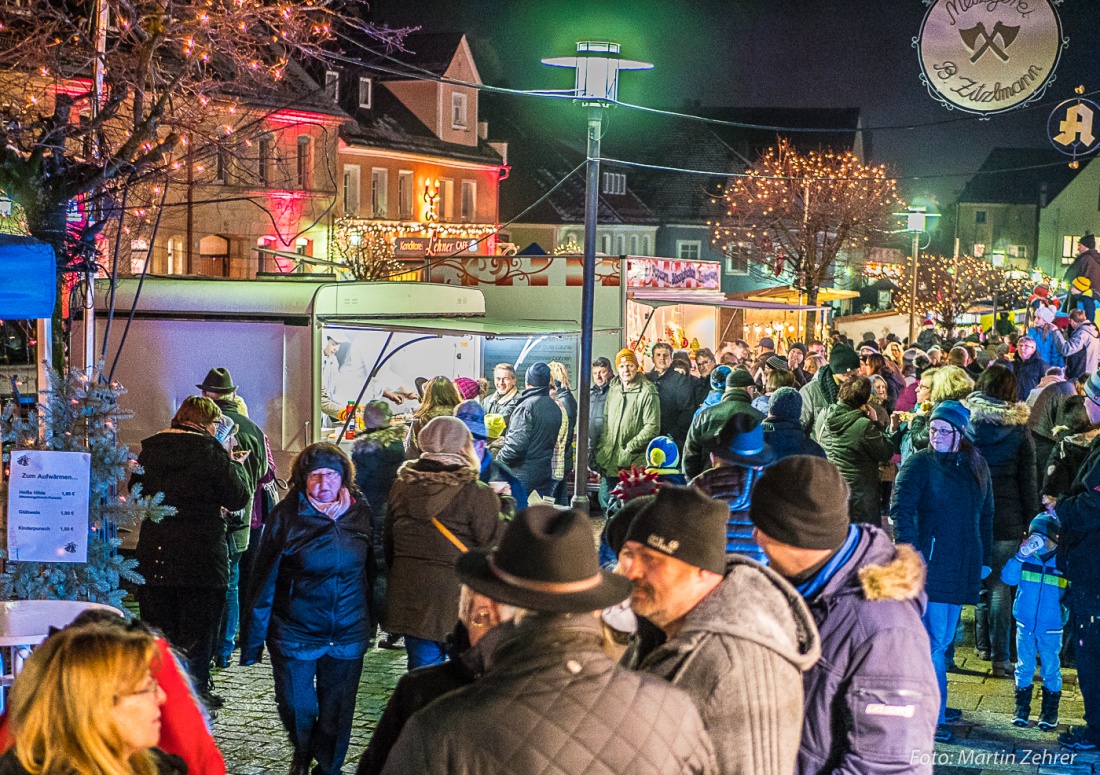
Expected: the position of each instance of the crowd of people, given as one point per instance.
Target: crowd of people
(777, 587)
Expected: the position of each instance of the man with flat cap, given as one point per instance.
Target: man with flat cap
(552, 700)
(872, 701)
(727, 630)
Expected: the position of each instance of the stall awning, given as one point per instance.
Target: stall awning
(487, 327)
(787, 294)
(658, 297)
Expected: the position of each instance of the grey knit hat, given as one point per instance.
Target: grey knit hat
(785, 404)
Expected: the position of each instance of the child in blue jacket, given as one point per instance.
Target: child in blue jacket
(1039, 619)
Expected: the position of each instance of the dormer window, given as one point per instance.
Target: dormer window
(365, 92)
(458, 110)
(332, 85)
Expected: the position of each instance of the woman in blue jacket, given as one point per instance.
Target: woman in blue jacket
(943, 505)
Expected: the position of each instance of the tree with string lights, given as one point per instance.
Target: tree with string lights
(795, 214)
(948, 286)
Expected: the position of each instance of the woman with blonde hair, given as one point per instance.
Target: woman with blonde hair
(951, 383)
(894, 353)
(88, 703)
(440, 399)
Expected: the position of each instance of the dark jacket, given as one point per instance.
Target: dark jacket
(943, 505)
(874, 655)
(1081, 349)
(788, 438)
(494, 404)
(733, 484)
(197, 476)
(529, 441)
(493, 470)
(1065, 461)
(1044, 412)
(249, 436)
(1086, 264)
(422, 589)
(708, 423)
(999, 431)
(565, 398)
(740, 656)
(857, 447)
(552, 696)
(377, 455)
(597, 397)
(677, 398)
(1079, 511)
(817, 396)
(1028, 373)
(311, 580)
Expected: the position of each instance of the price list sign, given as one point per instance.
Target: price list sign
(48, 506)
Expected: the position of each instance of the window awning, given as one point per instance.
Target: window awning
(658, 297)
(491, 328)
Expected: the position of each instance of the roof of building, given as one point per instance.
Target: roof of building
(843, 125)
(1019, 176)
(432, 51)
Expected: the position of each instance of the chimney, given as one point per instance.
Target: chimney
(482, 130)
(501, 148)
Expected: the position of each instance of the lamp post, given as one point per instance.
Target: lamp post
(916, 222)
(597, 65)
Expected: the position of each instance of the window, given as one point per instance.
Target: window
(689, 249)
(645, 246)
(737, 260)
(351, 189)
(614, 183)
(458, 110)
(633, 244)
(305, 162)
(979, 251)
(405, 195)
(266, 159)
(379, 192)
(1069, 249)
(221, 164)
(1017, 251)
(979, 216)
(620, 245)
(177, 255)
(139, 254)
(606, 240)
(469, 201)
(332, 85)
(446, 200)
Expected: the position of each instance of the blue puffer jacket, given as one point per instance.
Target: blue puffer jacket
(733, 484)
(945, 510)
(1040, 587)
(1046, 347)
(787, 438)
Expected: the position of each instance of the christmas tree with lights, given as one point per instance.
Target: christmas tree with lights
(81, 414)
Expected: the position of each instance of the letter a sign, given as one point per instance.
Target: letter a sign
(1074, 127)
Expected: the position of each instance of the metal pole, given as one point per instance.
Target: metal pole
(913, 290)
(102, 19)
(584, 386)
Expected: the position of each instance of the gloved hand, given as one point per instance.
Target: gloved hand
(986, 570)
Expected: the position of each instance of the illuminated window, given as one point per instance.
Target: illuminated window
(458, 110)
(379, 192)
(351, 190)
(1069, 249)
(469, 200)
(688, 249)
(332, 85)
(366, 86)
(266, 164)
(405, 195)
(305, 162)
(446, 200)
(177, 255)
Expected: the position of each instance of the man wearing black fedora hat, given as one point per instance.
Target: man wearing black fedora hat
(727, 630)
(551, 694)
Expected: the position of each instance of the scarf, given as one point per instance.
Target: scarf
(336, 508)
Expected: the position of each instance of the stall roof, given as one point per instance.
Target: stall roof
(787, 293)
(657, 297)
(487, 327)
(325, 300)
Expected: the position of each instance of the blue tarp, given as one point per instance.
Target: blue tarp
(28, 278)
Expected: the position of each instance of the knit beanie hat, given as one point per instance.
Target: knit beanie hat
(718, 377)
(467, 388)
(473, 416)
(614, 533)
(538, 375)
(813, 515)
(495, 425)
(684, 523)
(1046, 525)
(376, 414)
(785, 404)
(843, 360)
(1089, 241)
(739, 378)
(798, 346)
(1082, 284)
(325, 456)
(626, 355)
(662, 455)
(1092, 387)
(778, 363)
(447, 440)
(951, 412)
(868, 344)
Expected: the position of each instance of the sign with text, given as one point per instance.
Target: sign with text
(988, 56)
(48, 506)
(418, 247)
(667, 273)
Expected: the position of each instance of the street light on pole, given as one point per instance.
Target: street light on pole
(597, 65)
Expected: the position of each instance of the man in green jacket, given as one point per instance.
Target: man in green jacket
(709, 422)
(632, 419)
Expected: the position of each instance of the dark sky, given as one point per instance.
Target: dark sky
(767, 53)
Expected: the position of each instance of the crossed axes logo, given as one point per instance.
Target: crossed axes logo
(978, 40)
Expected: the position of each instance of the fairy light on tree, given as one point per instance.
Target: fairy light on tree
(947, 286)
(795, 214)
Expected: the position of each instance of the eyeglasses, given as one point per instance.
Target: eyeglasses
(941, 431)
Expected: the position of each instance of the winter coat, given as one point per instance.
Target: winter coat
(1040, 586)
(377, 455)
(708, 424)
(1087, 264)
(733, 484)
(818, 396)
(1081, 350)
(311, 582)
(677, 398)
(857, 447)
(537, 422)
(422, 589)
(999, 431)
(553, 702)
(412, 435)
(1044, 412)
(912, 436)
(494, 471)
(632, 419)
(1065, 461)
(907, 401)
(197, 477)
(597, 397)
(943, 504)
(786, 438)
(740, 656)
(928, 338)
(1079, 512)
(1028, 373)
(1046, 348)
(568, 403)
(494, 403)
(872, 699)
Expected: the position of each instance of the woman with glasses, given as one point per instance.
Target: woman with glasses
(943, 505)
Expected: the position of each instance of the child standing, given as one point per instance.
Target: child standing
(1039, 619)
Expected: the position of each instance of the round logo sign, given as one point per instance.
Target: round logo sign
(988, 56)
(1074, 127)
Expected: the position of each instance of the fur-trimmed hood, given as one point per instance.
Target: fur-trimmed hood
(429, 473)
(880, 570)
(991, 411)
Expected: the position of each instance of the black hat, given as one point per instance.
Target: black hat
(218, 381)
(802, 501)
(684, 523)
(739, 378)
(1089, 241)
(546, 561)
(538, 375)
(617, 525)
(843, 359)
(741, 442)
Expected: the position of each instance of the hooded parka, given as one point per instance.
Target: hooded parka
(857, 447)
(632, 419)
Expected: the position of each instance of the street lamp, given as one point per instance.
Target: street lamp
(916, 220)
(597, 65)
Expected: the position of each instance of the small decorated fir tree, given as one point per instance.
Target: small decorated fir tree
(81, 414)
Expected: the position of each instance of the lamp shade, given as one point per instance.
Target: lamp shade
(28, 278)
(598, 65)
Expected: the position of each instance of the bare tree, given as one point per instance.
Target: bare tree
(793, 214)
(367, 253)
(948, 286)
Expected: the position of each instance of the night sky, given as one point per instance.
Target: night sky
(768, 53)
